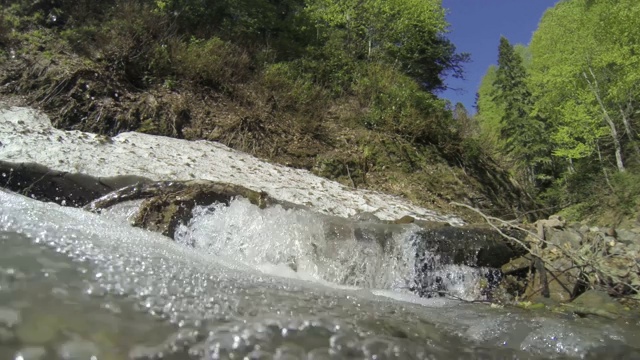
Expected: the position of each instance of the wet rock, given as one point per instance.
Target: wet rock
(32, 353)
(594, 302)
(9, 318)
(431, 224)
(64, 188)
(382, 234)
(168, 204)
(517, 265)
(554, 222)
(6, 336)
(405, 220)
(366, 217)
(564, 238)
(78, 350)
(473, 245)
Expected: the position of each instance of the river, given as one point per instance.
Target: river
(240, 282)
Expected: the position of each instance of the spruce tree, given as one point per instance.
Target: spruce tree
(522, 134)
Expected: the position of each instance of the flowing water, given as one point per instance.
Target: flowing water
(240, 282)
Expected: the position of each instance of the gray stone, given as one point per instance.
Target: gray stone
(554, 222)
(6, 336)
(78, 350)
(32, 353)
(9, 317)
(141, 352)
(366, 217)
(628, 237)
(563, 237)
(518, 264)
(594, 302)
(618, 249)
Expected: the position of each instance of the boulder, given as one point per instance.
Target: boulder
(65, 188)
(553, 222)
(365, 216)
(407, 219)
(168, 204)
(518, 265)
(472, 245)
(628, 237)
(566, 238)
(594, 302)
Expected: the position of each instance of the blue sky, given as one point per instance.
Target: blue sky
(476, 26)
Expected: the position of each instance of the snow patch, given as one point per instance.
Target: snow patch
(26, 135)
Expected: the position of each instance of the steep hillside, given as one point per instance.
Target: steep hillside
(289, 83)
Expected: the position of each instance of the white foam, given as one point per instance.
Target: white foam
(293, 243)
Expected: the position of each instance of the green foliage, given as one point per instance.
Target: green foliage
(598, 57)
(397, 104)
(587, 87)
(281, 73)
(406, 32)
(292, 90)
(331, 65)
(282, 25)
(489, 111)
(213, 62)
(523, 135)
(626, 193)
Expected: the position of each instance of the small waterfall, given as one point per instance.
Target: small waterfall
(301, 244)
(74, 284)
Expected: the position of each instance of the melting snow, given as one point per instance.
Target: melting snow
(26, 135)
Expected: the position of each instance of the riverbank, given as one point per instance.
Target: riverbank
(28, 137)
(74, 168)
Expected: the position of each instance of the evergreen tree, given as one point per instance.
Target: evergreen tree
(467, 124)
(522, 134)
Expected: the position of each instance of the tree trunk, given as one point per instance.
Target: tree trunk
(571, 169)
(593, 85)
(604, 168)
(627, 128)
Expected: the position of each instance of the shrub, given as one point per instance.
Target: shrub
(292, 90)
(213, 62)
(396, 104)
(128, 38)
(626, 192)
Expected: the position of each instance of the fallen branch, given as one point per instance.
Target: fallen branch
(588, 264)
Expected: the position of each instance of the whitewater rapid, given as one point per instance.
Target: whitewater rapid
(74, 283)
